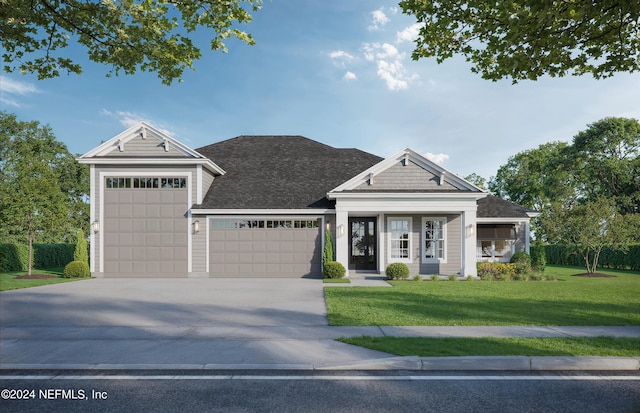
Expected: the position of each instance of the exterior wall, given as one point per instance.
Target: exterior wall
(410, 177)
(145, 148)
(416, 266)
(200, 247)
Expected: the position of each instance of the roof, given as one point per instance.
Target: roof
(279, 172)
(494, 207)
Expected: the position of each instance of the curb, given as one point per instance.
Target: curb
(473, 363)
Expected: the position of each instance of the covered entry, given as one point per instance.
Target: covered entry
(269, 247)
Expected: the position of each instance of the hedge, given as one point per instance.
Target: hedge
(15, 257)
(609, 258)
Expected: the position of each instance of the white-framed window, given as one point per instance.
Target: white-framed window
(399, 230)
(434, 239)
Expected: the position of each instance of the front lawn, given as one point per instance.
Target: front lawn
(569, 301)
(492, 346)
(8, 280)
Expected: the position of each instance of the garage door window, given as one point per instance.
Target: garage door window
(263, 224)
(146, 183)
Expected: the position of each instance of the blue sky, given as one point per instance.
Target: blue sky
(339, 72)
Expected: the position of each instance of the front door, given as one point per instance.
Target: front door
(363, 245)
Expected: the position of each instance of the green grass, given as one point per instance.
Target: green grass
(336, 281)
(9, 282)
(568, 301)
(492, 346)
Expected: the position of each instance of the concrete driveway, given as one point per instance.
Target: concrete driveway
(171, 323)
(167, 302)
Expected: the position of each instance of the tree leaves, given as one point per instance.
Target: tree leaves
(127, 35)
(528, 39)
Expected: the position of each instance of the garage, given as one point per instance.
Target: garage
(145, 230)
(265, 247)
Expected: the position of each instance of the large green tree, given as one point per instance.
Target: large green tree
(126, 35)
(606, 161)
(43, 190)
(526, 39)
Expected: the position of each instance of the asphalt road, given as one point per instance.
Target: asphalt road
(308, 391)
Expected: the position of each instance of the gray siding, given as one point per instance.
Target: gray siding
(453, 246)
(149, 147)
(199, 246)
(207, 181)
(403, 177)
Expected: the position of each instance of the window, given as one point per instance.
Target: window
(146, 183)
(399, 239)
(434, 239)
(496, 242)
(263, 224)
(113, 183)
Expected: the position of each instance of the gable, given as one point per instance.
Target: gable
(406, 171)
(145, 146)
(406, 177)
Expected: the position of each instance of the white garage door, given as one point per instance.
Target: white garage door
(145, 228)
(265, 248)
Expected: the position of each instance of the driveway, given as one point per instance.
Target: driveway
(167, 302)
(171, 323)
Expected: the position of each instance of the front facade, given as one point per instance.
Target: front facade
(257, 206)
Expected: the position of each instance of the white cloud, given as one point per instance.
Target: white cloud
(389, 64)
(378, 19)
(341, 54)
(349, 76)
(129, 119)
(12, 88)
(409, 34)
(438, 158)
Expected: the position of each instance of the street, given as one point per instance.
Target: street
(318, 391)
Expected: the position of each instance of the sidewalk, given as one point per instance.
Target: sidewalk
(281, 348)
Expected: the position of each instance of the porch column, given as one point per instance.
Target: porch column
(342, 238)
(469, 229)
(527, 237)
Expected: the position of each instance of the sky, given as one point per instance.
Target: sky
(338, 72)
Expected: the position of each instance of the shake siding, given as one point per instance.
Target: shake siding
(408, 177)
(149, 147)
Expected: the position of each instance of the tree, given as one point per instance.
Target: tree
(80, 253)
(35, 197)
(591, 226)
(477, 180)
(128, 36)
(606, 162)
(535, 177)
(526, 39)
(327, 253)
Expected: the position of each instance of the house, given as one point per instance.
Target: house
(259, 206)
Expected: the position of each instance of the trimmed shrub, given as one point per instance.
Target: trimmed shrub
(333, 269)
(397, 271)
(77, 269)
(52, 255)
(538, 257)
(81, 253)
(13, 257)
(495, 271)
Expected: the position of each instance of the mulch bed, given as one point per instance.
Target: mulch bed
(594, 275)
(34, 277)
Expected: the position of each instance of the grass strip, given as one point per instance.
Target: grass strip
(493, 346)
(9, 282)
(336, 281)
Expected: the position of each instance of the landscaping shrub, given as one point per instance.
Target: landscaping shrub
(333, 269)
(327, 252)
(77, 269)
(538, 257)
(495, 271)
(609, 258)
(81, 253)
(52, 255)
(522, 263)
(13, 257)
(397, 271)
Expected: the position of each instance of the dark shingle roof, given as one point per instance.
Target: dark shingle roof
(494, 207)
(279, 172)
